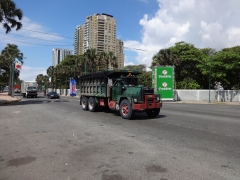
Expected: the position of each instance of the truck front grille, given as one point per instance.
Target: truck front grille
(150, 101)
(148, 91)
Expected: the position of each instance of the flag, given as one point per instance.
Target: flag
(18, 64)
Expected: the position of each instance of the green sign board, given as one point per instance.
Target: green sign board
(163, 81)
(43, 87)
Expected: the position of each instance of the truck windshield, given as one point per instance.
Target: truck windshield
(130, 81)
(32, 88)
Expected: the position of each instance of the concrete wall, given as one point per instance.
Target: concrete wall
(192, 95)
(203, 95)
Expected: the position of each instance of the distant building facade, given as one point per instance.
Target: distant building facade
(99, 32)
(59, 54)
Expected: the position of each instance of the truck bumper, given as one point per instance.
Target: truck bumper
(147, 106)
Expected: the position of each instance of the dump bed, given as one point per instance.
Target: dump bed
(97, 84)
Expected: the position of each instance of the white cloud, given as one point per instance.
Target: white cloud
(17, 38)
(128, 63)
(203, 23)
(29, 73)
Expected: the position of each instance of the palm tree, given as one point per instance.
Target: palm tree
(111, 60)
(165, 57)
(8, 12)
(8, 54)
(79, 64)
(91, 56)
(102, 56)
(114, 62)
(39, 80)
(50, 73)
(66, 71)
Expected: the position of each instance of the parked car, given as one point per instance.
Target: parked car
(53, 95)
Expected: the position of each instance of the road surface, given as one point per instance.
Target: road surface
(54, 139)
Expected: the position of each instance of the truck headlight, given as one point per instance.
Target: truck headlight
(135, 100)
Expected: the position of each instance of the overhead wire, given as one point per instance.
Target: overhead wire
(64, 42)
(46, 33)
(34, 43)
(38, 38)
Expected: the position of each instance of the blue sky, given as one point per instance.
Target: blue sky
(143, 24)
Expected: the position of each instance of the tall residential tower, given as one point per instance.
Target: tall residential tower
(59, 54)
(99, 32)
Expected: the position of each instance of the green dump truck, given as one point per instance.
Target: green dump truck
(119, 90)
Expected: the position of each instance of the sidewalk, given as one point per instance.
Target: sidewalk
(204, 102)
(6, 99)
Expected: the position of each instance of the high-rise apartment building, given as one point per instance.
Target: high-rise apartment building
(59, 54)
(99, 32)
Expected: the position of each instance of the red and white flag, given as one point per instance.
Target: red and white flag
(18, 64)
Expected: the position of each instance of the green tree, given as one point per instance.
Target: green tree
(145, 79)
(226, 67)
(8, 54)
(139, 67)
(205, 67)
(189, 56)
(8, 13)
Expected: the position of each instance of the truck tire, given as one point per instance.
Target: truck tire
(152, 113)
(92, 105)
(84, 103)
(126, 110)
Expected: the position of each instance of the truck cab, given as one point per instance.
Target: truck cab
(31, 91)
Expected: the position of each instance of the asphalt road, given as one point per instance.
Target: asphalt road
(54, 139)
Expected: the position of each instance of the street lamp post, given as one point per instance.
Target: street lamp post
(209, 79)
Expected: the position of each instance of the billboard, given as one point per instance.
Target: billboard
(73, 87)
(163, 81)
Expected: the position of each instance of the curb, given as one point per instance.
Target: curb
(9, 102)
(196, 102)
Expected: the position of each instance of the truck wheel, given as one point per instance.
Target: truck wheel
(92, 105)
(152, 112)
(85, 103)
(126, 109)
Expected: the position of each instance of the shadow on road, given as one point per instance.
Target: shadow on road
(33, 101)
(137, 115)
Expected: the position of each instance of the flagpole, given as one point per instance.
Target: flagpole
(13, 69)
